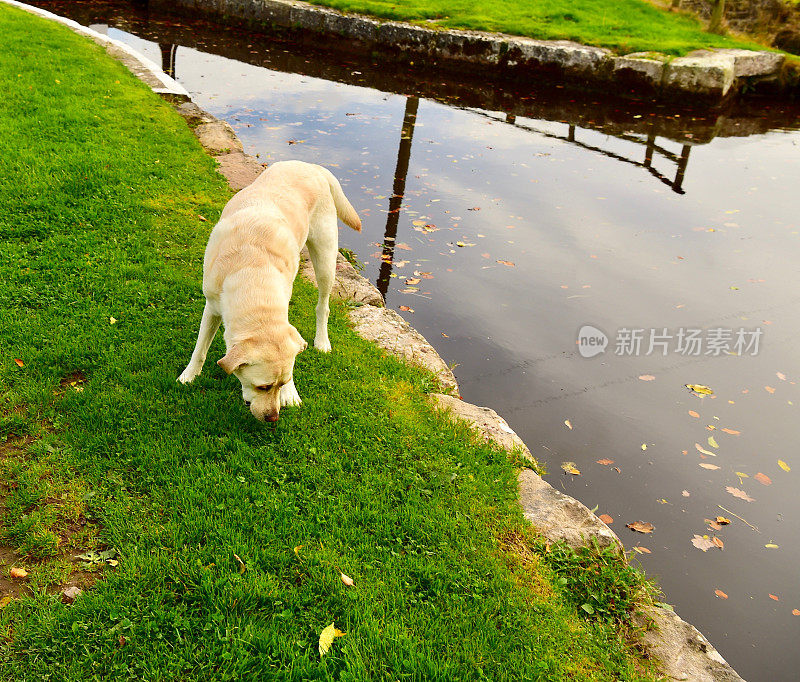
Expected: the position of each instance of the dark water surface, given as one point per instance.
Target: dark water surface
(527, 215)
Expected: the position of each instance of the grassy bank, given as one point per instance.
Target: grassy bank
(624, 26)
(216, 544)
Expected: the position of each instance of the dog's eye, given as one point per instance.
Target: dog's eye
(265, 387)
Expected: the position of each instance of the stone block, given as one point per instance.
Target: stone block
(349, 285)
(708, 76)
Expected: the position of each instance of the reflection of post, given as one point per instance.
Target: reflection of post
(651, 145)
(571, 134)
(682, 162)
(168, 58)
(392, 220)
(510, 118)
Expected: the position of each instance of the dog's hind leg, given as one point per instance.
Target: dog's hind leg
(208, 328)
(323, 251)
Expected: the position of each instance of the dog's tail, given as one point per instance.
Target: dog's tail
(344, 209)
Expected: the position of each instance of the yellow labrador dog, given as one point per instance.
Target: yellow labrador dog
(250, 265)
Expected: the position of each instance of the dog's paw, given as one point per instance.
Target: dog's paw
(289, 395)
(322, 345)
(187, 376)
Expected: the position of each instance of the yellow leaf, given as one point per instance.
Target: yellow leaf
(568, 423)
(712, 442)
(644, 446)
(326, 638)
(771, 546)
(16, 573)
(339, 633)
(112, 320)
(570, 468)
(699, 388)
(297, 550)
(742, 475)
(700, 448)
(5, 601)
(783, 465)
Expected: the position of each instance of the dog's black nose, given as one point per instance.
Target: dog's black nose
(271, 418)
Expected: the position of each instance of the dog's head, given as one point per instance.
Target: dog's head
(263, 366)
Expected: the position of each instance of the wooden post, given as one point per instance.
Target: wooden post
(717, 17)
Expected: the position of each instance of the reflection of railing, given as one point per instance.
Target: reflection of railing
(680, 161)
(168, 51)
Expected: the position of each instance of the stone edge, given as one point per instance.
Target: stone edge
(709, 76)
(686, 653)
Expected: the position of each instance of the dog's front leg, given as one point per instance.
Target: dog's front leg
(208, 328)
(289, 394)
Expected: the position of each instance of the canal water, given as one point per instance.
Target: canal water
(579, 262)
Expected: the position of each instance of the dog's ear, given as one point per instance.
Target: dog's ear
(302, 344)
(233, 359)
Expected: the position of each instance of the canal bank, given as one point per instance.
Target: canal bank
(705, 77)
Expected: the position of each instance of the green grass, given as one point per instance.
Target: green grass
(101, 186)
(624, 25)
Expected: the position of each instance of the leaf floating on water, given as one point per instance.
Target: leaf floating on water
(717, 542)
(694, 414)
(710, 467)
(699, 389)
(773, 597)
(641, 550)
(406, 309)
(780, 376)
(644, 446)
(507, 263)
(685, 493)
(722, 521)
(720, 594)
(568, 423)
(326, 638)
(570, 468)
(772, 545)
(796, 612)
(411, 281)
(641, 526)
(700, 448)
(783, 465)
(647, 377)
(763, 479)
(702, 542)
(769, 389)
(732, 432)
(713, 442)
(605, 462)
(605, 518)
(741, 494)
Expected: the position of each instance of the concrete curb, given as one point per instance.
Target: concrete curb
(706, 76)
(684, 653)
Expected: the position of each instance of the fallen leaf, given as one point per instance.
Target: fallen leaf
(644, 446)
(732, 432)
(507, 263)
(702, 542)
(720, 594)
(694, 414)
(204, 219)
(605, 518)
(19, 362)
(700, 448)
(568, 423)
(713, 442)
(769, 389)
(5, 601)
(741, 474)
(411, 281)
(347, 580)
(722, 521)
(796, 612)
(783, 465)
(708, 466)
(605, 462)
(685, 493)
(406, 309)
(647, 377)
(297, 550)
(338, 633)
(713, 525)
(641, 550)
(718, 542)
(780, 376)
(699, 389)
(772, 545)
(240, 563)
(763, 479)
(773, 597)
(641, 526)
(570, 468)
(326, 638)
(741, 494)
(17, 573)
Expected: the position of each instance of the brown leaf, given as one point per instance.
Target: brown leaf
(507, 263)
(694, 414)
(763, 478)
(713, 525)
(641, 550)
(702, 542)
(796, 612)
(772, 596)
(718, 542)
(741, 494)
(641, 526)
(720, 594)
(19, 362)
(605, 518)
(722, 521)
(411, 281)
(406, 309)
(733, 432)
(605, 462)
